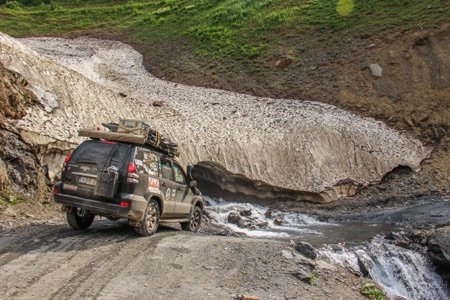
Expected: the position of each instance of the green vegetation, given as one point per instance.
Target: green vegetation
(372, 292)
(312, 279)
(8, 198)
(228, 28)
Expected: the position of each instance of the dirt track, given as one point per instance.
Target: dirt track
(109, 261)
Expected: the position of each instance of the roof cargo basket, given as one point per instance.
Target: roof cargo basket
(136, 132)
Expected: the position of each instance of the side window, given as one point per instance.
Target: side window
(146, 162)
(179, 176)
(166, 169)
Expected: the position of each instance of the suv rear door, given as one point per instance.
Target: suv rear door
(88, 159)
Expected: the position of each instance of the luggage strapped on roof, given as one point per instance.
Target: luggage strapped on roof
(136, 132)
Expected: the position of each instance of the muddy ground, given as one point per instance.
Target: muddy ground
(51, 261)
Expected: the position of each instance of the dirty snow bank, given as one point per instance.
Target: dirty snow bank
(297, 145)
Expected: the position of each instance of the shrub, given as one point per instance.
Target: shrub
(372, 292)
(12, 4)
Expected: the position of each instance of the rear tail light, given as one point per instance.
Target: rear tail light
(56, 189)
(132, 176)
(123, 204)
(66, 160)
(131, 168)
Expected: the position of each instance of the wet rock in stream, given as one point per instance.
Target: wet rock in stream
(243, 219)
(403, 272)
(439, 251)
(306, 249)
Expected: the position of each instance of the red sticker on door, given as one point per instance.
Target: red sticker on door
(153, 183)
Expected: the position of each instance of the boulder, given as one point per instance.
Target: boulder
(376, 70)
(305, 275)
(19, 165)
(394, 236)
(158, 103)
(306, 249)
(246, 213)
(278, 221)
(365, 263)
(234, 218)
(263, 224)
(439, 251)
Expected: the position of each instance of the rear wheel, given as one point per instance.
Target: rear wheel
(79, 218)
(150, 224)
(196, 220)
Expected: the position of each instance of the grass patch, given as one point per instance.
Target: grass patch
(9, 199)
(372, 292)
(221, 29)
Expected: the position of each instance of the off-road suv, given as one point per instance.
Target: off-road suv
(124, 180)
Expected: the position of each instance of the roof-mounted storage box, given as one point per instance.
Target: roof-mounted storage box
(133, 126)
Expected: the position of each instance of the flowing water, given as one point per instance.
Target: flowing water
(403, 273)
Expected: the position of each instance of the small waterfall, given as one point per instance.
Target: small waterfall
(403, 273)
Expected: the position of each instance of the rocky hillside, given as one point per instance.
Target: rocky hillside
(19, 167)
(306, 150)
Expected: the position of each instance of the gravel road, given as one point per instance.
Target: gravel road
(110, 262)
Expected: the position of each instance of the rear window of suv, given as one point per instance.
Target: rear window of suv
(103, 154)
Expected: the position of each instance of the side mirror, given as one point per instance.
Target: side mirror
(192, 184)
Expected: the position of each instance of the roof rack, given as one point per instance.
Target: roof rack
(136, 132)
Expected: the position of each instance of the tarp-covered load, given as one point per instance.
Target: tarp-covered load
(135, 132)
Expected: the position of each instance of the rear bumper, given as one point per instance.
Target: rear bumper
(134, 211)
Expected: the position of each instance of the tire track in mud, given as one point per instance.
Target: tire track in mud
(28, 269)
(14, 242)
(146, 274)
(33, 265)
(28, 264)
(90, 281)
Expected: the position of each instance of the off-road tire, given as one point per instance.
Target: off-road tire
(150, 224)
(196, 220)
(77, 222)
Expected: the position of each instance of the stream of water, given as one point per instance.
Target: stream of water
(403, 273)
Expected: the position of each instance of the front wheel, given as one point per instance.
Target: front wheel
(150, 224)
(79, 218)
(196, 220)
